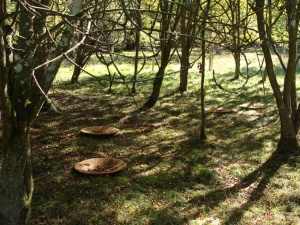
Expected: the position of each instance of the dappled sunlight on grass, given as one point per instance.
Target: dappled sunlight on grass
(172, 177)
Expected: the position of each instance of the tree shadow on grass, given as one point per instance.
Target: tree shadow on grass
(262, 174)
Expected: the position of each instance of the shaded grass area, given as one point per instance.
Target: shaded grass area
(234, 177)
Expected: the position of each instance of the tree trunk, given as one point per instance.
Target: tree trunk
(21, 97)
(184, 59)
(288, 142)
(288, 145)
(75, 75)
(185, 64)
(17, 184)
(202, 89)
(211, 59)
(237, 60)
(183, 80)
(79, 61)
(189, 31)
(265, 75)
(284, 100)
(137, 49)
(166, 54)
(81, 58)
(156, 89)
(167, 42)
(202, 71)
(236, 38)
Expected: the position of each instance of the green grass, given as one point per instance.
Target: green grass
(171, 177)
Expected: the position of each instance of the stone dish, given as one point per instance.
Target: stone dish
(100, 166)
(253, 106)
(100, 130)
(218, 110)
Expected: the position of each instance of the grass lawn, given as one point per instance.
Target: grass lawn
(171, 177)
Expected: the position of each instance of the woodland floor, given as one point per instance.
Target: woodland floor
(234, 177)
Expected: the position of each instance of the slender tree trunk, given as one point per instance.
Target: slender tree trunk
(184, 72)
(236, 37)
(80, 61)
(237, 60)
(156, 88)
(265, 75)
(76, 73)
(202, 92)
(136, 63)
(202, 71)
(166, 41)
(189, 30)
(211, 59)
(288, 139)
(137, 49)
(184, 60)
(82, 57)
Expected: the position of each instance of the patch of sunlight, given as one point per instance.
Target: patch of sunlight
(63, 75)
(269, 144)
(170, 133)
(174, 197)
(156, 170)
(139, 167)
(131, 208)
(202, 221)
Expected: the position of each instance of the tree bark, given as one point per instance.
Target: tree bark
(81, 59)
(137, 48)
(288, 139)
(184, 72)
(156, 89)
(82, 56)
(202, 88)
(184, 60)
(237, 60)
(288, 145)
(76, 73)
(21, 98)
(167, 41)
(202, 71)
(189, 30)
(17, 184)
(234, 6)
